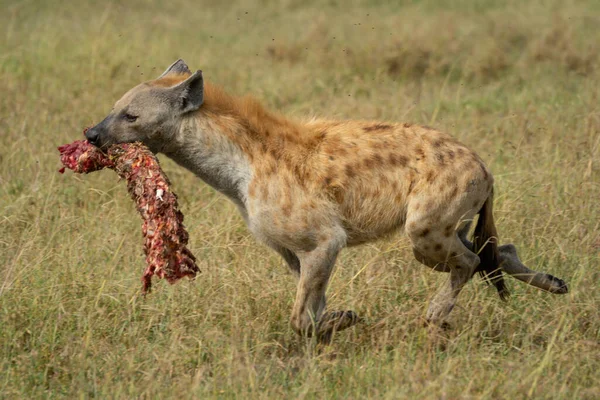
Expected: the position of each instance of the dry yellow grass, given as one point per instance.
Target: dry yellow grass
(517, 81)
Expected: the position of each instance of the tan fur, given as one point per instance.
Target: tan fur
(310, 188)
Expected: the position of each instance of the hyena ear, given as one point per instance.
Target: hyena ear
(189, 94)
(178, 67)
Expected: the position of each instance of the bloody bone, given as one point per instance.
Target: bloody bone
(165, 237)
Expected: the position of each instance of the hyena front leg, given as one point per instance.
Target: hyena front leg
(307, 315)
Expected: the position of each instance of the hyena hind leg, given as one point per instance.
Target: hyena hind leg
(462, 267)
(429, 262)
(443, 266)
(512, 265)
(456, 257)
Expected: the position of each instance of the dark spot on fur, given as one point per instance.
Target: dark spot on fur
(398, 160)
(437, 247)
(274, 153)
(350, 173)
(453, 254)
(425, 232)
(411, 185)
(299, 171)
(437, 143)
(450, 155)
(377, 127)
(331, 158)
(454, 192)
(430, 176)
(287, 209)
(377, 159)
(440, 158)
(407, 125)
(448, 230)
(420, 153)
(338, 195)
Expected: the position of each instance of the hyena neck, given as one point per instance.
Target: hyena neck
(202, 148)
(228, 138)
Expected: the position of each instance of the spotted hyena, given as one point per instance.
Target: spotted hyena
(310, 188)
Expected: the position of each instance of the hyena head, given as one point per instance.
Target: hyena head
(152, 111)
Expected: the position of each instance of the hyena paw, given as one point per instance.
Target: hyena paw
(335, 321)
(438, 312)
(558, 285)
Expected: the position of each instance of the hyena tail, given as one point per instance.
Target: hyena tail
(485, 242)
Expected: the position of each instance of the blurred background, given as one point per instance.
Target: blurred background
(515, 80)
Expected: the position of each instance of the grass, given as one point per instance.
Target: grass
(517, 81)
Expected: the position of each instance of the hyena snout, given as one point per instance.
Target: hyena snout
(93, 136)
(97, 135)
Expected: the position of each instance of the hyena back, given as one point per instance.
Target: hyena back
(308, 189)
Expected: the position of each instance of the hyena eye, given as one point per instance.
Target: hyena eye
(130, 117)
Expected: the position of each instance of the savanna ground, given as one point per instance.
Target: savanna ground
(517, 81)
